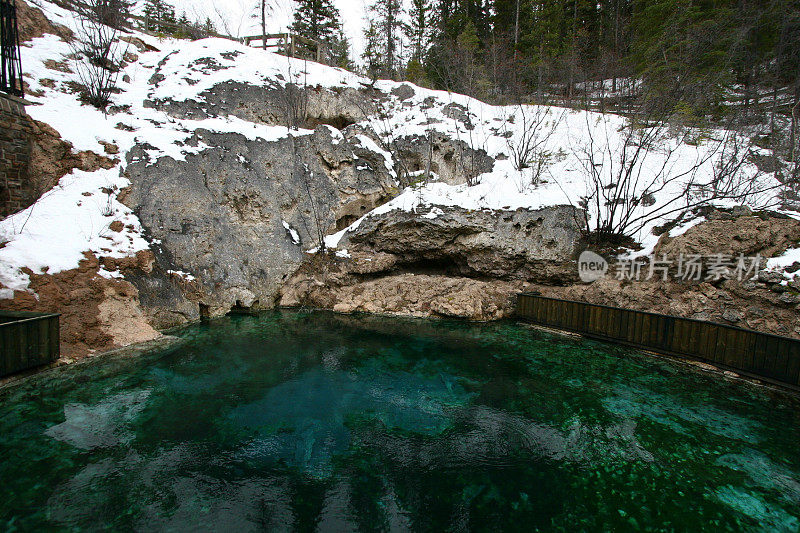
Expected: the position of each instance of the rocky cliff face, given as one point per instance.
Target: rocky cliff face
(523, 244)
(232, 221)
(442, 261)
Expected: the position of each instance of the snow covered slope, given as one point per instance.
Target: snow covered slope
(240, 17)
(76, 215)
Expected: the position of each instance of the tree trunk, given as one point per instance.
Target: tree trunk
(263, 24)
(793, 134)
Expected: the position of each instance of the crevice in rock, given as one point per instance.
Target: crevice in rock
(339, 122)
(240, 309)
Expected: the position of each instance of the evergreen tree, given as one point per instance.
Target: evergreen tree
(162, 13)
(386, 17)
(316, 19)
(339, 51)
(419, 29)
(374, 63)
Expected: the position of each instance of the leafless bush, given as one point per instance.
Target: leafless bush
(473, 144)
(644, 174)
(294, 97)
(527, 143)
(98, 53)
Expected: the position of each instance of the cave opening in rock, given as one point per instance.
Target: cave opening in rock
(240, 309)
(337, 121)
(205, 311)
(345, 221)
(435, 266)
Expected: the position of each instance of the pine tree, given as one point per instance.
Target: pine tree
(339, 51)
(316, 19)
(386, 16)
(373, 58)
(162, 13)
(419, 30)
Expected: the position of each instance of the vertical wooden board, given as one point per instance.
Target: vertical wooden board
(598, 320)
(708, 342)
(687, 326)
(731, 340)
(602, 321)
(637, 329)
(613, 323)
(709, 348)
(675, 341)
(55, 338)
(44, 341)
(735, 359)
(30, 344)
(619, 324)
(759, 352)
(771, 356)
(699, 339)
(782, 361)
(569, 319)
(694, 331)
(605, 319)
(562, 314)
(624, 325)
(571, 311)
(3, 351)
(793, 366)
(719, 352)
(747, 348)
(577, 317)
(657, 331)
(669, 327)
(22, 341)
(645, 335)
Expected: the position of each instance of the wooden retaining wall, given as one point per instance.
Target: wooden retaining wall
(765, 356)
(27, 340)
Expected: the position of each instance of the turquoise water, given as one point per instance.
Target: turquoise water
(313, 421)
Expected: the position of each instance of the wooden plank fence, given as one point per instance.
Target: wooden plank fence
(290, 44)
(769, 357)
(27, 340)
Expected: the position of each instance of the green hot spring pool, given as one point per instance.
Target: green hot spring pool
(315, 421)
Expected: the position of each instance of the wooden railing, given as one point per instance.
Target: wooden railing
(290, 44)
(154, 25)
(27, 340)
(769, 357)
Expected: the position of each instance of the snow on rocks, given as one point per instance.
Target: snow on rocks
(74, 217)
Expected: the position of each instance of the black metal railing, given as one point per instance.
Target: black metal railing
(769, 357)
(10, 62)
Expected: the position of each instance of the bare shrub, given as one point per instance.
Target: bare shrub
(527, 144)
(640, 173)
(98, 53)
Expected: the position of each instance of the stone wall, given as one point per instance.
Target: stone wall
(15, 152)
